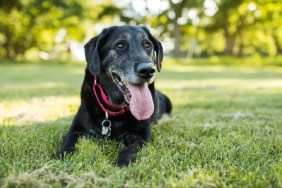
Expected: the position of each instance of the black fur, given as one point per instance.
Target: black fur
(119, 49)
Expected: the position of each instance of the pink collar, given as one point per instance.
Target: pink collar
(119, 109)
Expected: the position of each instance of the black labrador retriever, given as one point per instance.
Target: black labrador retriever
(118, 97)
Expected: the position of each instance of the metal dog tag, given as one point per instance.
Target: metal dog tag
(105, 130)
(106, 127)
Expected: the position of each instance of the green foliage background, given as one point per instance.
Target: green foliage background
(234, 28)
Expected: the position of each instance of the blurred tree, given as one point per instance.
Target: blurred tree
(175, 19)
(25, 22)
(250, 24)
(268, 23)
(241, 27)
(230, 21)
(6, 27)
(31, 23)
(176, 11)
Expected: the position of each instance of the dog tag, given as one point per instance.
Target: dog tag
(106, 127)
(105, 130)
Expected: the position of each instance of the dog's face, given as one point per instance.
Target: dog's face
(124, 58)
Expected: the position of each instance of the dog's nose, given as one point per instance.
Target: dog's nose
(146, 70)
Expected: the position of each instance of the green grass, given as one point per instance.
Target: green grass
(225, 130)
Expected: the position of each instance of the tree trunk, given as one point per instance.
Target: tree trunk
(229, 46)
(177, 9)
(177, 39)
(277, 45)
(229, 39)
(8, 51)
(241, 47)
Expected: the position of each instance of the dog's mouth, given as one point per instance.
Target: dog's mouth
(138, 96)
(122, 86)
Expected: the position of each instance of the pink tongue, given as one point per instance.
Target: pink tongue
(141, 102)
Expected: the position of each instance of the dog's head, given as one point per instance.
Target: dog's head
(124, 57)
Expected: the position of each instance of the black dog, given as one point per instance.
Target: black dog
(118, 98)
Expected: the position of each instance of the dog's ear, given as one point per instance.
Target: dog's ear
(158, 49)
(92, 52)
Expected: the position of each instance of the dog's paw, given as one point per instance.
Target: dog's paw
(126, 156)
(64, 152)
(61, 155)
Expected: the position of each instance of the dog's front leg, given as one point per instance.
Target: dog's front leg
(134, 144)
(69, 142)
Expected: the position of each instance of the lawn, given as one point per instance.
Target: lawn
(225, 130)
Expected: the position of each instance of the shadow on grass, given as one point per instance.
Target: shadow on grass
(42, 89)
(34, 80)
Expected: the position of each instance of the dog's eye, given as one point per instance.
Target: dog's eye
(120, 46)
(148, 45)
